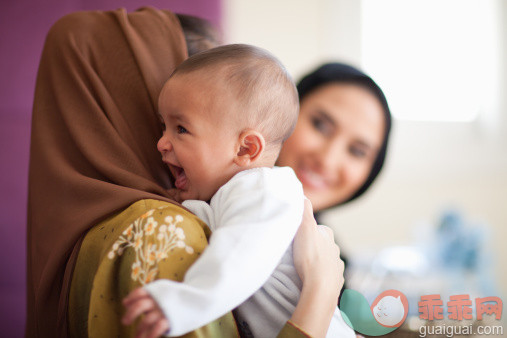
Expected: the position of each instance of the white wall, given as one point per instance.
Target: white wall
(431, 165)
(299, 32)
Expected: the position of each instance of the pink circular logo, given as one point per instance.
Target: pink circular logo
(390, 308)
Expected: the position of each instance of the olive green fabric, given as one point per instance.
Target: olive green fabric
(292, 330)
(149, 240)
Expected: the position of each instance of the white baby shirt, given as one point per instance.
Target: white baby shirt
(253, 218)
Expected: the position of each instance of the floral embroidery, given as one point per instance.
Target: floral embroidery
(151, 251)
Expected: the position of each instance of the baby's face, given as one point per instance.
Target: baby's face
(198, 143)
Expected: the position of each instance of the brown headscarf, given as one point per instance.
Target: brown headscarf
(93, 146)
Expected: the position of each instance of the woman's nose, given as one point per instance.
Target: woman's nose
(332, 156)
(164, 145)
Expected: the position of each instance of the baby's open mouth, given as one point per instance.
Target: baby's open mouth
(180, 177)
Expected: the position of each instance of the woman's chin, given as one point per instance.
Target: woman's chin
(319, 199)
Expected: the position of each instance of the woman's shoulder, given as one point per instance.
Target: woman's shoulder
(148, 240)
(151, 207)
(155, 209)
(156, 216)
(157, 233)
(161, 227)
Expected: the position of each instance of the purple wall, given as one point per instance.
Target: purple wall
(23, 26)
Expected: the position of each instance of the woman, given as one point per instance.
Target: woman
(339, 144)
(101, 220)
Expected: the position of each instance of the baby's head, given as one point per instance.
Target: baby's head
(225, 110)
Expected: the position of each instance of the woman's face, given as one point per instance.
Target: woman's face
(337, 138)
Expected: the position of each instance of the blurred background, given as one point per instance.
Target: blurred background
(434, 222)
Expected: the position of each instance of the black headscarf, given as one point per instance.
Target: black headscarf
(342, 73)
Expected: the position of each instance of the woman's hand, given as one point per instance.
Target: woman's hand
(318, 263)
(316, 255)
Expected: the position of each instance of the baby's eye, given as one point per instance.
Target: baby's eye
(181, 130)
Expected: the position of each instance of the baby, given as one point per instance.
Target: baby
(227, 112)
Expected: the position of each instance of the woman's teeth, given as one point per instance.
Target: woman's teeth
(312, 179)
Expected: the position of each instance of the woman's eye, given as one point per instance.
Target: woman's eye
(181, 130)
(357, 152)
(321, 125)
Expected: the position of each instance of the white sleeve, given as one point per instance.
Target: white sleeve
(338, 327)
(256, 214)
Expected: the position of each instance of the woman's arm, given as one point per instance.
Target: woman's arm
(318, 263)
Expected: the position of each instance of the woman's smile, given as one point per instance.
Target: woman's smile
(311, 178)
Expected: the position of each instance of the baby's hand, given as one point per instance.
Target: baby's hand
(153, 324)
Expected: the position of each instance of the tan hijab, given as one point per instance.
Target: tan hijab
(93, 146)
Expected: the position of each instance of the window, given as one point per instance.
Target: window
(436, 60)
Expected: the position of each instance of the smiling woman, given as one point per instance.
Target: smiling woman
(339, 144)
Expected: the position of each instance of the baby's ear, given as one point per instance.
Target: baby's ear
(251, 144)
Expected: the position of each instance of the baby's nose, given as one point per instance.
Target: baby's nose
(164, 145)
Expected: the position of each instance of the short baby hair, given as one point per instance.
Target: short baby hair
(259, 82)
